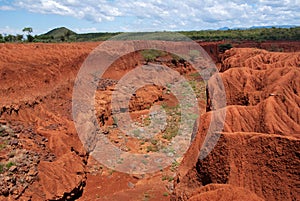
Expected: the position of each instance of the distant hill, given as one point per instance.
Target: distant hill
(269, 27)
(224, 29)
(257, 27)
(59, 32)
(64, 34)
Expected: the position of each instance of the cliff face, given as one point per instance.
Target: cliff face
(258, 150)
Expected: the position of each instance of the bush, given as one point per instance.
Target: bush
(224, 47)
(151, 55)
(30, 38)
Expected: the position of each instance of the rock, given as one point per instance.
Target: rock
(3, 122)
(138, 176)
(13, 168)
(28, 179)
(7, 179)
(4, 191)
(32, 172)
(14, 142)
(130, 185)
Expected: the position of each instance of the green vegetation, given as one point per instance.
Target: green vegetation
(115, 121)
(146, 196)
(9, 164)
(168, 178)
(94, 36)
(173, 122)
(174, 166)
(1, 131)
(4, 167)
(224, 47)
(259, 34)
(111, 171)
(2, 146)
(198, 88)
(136, 133)
(29, 30)
(151, 55)
(57, 35)
(11, 38)
(65, 35)
(166, 194)
(152, 148)
(1, 168)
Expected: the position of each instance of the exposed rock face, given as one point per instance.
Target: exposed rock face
(258, 149)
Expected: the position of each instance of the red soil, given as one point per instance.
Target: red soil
(257, 154)
(258, 149)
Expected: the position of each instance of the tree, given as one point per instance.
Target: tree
(28, 30)
(19, 37)
(10, 38)
(30, 38)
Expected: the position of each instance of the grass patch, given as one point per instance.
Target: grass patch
(152, 148)
(174, 166)
(2, 146)
(173, 123)
(1, 168)
(168, 178)
(9, 165)
(146, 196)
(151, 54)
(110, 172)
(198, 88)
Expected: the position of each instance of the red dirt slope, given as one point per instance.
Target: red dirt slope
(258, 149)
(36, 89)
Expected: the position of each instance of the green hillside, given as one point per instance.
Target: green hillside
(58, 34)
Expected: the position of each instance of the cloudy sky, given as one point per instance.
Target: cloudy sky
(149, 15)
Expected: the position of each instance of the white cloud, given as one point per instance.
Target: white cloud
(86, 30)
(8, 30)
(167, 14)
(5, 8)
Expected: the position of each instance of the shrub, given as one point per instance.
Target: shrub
(30, 38)
(151, 54)
(224, 47)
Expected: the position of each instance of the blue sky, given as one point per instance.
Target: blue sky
(149, 15)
